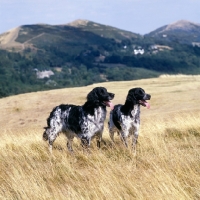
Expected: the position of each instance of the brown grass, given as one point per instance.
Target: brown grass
(167, 165)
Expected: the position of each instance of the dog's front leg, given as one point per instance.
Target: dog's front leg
(124, 138)
(135, 138)
(69, 144)
(98, 139)
(85, 142)
(111, 133)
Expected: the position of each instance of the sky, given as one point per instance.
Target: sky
(137, 16)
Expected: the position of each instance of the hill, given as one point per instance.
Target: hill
(181, 31)
(41, 56)
(40, 36)
(104, 30)
(78, 32)
(167, 161)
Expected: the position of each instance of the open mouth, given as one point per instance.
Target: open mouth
(109, 104)
(144, 103)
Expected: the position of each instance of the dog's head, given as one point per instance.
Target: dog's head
(99, 96)
(138, 96)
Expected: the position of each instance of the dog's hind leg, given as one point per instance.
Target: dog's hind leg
(51, 134)
(45, 135)
(52, 137)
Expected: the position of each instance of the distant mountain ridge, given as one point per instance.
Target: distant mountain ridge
(103, 30)
(183, 25)
(79, 31)
(182, 31)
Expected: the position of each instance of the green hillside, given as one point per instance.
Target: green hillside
(103, 30)
(42, 57)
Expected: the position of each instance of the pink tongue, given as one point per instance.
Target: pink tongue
(109, 103)
(147, 104)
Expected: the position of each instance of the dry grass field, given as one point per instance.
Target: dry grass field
(167, 164)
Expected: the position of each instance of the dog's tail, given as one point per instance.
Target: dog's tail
(45, 135)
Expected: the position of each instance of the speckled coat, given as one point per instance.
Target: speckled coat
(125, 119)
(84, 122)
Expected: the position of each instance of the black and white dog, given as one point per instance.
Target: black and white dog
(84, 122)
(125, 119)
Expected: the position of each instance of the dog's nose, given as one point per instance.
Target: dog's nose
(112, 95)
(147, 97)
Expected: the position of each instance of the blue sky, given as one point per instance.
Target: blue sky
(138, 16)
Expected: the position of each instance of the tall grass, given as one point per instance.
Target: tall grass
(166, 166)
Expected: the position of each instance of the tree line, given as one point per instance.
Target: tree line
(17, 70)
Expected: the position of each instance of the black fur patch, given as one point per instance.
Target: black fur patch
(84, 121)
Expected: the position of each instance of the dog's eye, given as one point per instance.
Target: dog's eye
(103, 91)
(141, 92)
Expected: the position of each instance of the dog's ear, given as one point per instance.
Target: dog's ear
(92, 96)
(131, 96)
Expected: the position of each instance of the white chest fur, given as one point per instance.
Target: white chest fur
(131, 122)
(94, 123)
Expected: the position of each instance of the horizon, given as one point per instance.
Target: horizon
(181, 20)
(135, 16)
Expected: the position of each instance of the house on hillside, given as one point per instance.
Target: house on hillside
(138, 51)
(43, 74)
(196, 44)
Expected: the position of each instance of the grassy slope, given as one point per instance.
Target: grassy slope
(167, 161)
(104, 30)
